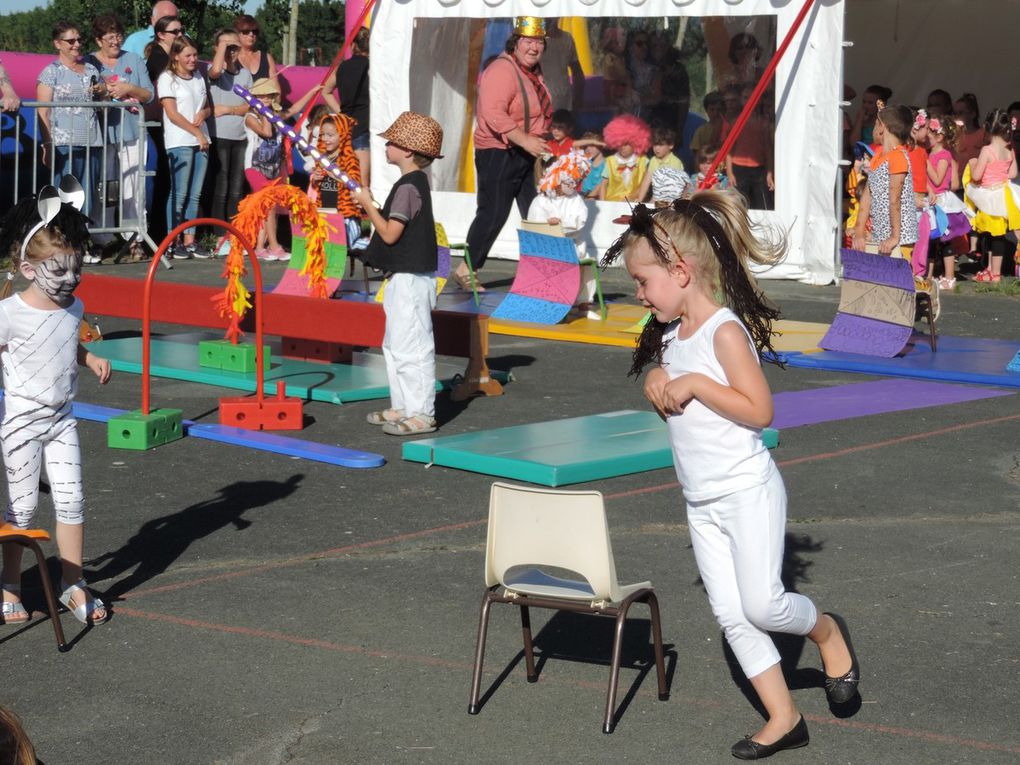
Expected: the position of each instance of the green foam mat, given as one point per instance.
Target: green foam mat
(560, 452)
(176, 357)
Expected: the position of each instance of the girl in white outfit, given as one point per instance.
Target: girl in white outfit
(709, 323)
(40, 353)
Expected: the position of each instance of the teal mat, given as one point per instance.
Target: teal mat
(560, 452)
(176, 357)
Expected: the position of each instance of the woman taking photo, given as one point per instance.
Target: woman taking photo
(71, 139)
(126, 80)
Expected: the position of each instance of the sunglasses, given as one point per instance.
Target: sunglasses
(178, 31)
(248, 32)
(72, 40)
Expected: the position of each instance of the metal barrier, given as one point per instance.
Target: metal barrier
(111, 171)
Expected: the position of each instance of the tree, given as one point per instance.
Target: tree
(320, 28)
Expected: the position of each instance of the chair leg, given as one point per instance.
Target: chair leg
(614, 669)
(476, 678)
(660, 659)
(598, 292)
(529, 649)
(51, 601)
(931, 329)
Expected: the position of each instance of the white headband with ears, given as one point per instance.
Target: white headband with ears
(48, 204)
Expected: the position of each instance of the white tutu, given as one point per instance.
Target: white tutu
(992, 201)
(950, 203)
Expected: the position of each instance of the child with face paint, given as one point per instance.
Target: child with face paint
(40, 353)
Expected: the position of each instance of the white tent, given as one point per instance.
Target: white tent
(808, 120)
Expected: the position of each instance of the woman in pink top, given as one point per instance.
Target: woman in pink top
(513, 115)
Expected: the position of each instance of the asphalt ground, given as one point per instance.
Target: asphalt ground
(275, 610)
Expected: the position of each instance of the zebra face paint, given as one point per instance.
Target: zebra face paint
(58, 276)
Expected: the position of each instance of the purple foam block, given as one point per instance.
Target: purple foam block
(871, 337)
(877, 269)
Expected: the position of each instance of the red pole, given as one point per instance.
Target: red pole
(147, 300)
(709, 180)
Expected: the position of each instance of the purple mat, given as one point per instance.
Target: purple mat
(842, 402)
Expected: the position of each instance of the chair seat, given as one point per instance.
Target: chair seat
(535, 581)
(10, 530)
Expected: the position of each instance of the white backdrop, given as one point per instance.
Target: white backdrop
(808, 89)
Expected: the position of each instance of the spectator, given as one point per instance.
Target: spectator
(939, 104)
(261, 64)
(70, 135)
(9, 101)
(229, 111)
(157, 54)
(864, 126)
(182, 91)
(675, 85)
(749, 164)
(745, 56)
(350, 80)
(616, 85)
(644, 75)
(562, 69)
(972, 136)
(513, 116)
(710, 133)
(126, 79)
(139, 40)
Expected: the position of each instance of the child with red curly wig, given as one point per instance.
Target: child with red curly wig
(626, 168)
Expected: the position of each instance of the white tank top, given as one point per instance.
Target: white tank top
(713, 456)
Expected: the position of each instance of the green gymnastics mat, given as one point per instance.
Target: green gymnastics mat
(176, 357)
(560, 452)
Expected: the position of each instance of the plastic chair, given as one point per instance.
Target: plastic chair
(31, 538)
(533, 529)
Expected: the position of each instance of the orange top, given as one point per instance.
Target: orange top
(919, 169)
(897, 161)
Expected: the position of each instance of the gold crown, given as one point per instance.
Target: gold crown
(529, 26)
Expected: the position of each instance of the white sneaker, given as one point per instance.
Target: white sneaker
(91, 260)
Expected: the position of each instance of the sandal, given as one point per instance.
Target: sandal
(947, 284)
(85, 613)
(464, 282)
(410, 426)
(14, 613)
(987, 276)
(384, 416)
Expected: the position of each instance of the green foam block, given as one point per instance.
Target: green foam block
(559, 452)
(137, 431)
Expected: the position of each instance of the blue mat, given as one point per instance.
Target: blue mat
(252, 439)
(958, 359)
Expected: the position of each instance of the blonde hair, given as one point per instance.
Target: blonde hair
(46, 243)
(713, 235)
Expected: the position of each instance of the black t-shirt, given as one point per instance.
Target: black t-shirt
(328, 192)
(352, 85)
(157, 62)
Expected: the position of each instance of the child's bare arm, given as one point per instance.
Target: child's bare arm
(99, 366)
(389, 229)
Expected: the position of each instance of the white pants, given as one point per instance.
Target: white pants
(408, 345)
(130, 154)
(29, 434)
(738, 544)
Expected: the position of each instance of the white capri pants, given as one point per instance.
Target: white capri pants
(29, 434)
(738, 543)
(408, 344)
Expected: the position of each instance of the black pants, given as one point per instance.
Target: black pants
(156, 203)
(751, 182)
(501, 177)
(229, 186)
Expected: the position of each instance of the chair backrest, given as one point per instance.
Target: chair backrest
(550, 528)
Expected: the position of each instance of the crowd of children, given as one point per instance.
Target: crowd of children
(916, 190)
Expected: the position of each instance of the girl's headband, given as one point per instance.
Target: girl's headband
(48, 204)
(921, 119)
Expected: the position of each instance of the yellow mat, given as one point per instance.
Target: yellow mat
(619, 330)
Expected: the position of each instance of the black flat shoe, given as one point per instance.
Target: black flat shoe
(749, 749)
(840, 690)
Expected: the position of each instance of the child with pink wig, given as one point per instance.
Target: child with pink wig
(625, 169)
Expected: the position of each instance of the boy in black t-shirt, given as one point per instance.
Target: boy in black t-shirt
(404, 245)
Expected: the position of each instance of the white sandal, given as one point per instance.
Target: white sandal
(13, 609)
(84, 612)
(384, 416)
